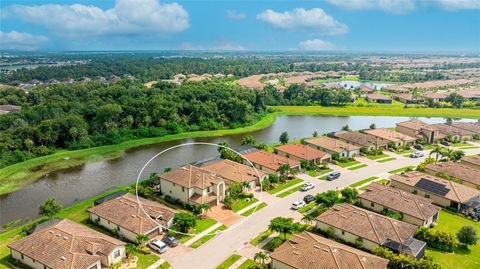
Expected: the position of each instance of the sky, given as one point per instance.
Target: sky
(247, 25)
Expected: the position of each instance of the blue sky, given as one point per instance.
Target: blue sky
(351, 25)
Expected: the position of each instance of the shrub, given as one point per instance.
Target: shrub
(274, 243)
(358, 242)
(467, 236)
(440, 240)
(399, 261)
(330, 231)
(145, 250)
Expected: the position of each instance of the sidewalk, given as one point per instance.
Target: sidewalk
(156, 264)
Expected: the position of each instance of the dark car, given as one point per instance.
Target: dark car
(418, 147)
(171, 241)
(445, 143)
(333, 175)
(308, 198)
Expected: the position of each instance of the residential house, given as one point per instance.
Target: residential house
(454, 132)
(442, 192)
(471, 94)
(4, 109)
(332, 146)
(130, 218)
(435, 96)
(469, 126)
(233, 172)
(417, 128)
(384, 134)
(64, 244)
(415, 209)
(193, 185)
(364, 89)
(308, 250)
(378, 98)
(301, 152)
(468, 176)
(473, 162)
(351, 223)
(406, 98)
(361, 140)
(269, 162)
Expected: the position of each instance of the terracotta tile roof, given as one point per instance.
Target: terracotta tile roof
(332, 144)
(367, 224)
(417, 125)
(404, 96)
(457, 170)
(435, 95)
(360, 139)
(456, 192)
(125, 212)
(475, 160)
(303, 152)
(234, 171)
(308, 250)
(377, 96)
(452, 130)
(390, 135)
(270, 160)
(66, 244)
(10, 108)
(190, 176)
(469, 126)
(401, 201)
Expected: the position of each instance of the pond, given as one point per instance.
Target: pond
(70, 186)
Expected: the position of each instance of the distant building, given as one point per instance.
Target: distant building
(406, 98)
(388, 135)
(4, 109)
(454, 132)
(378, 98)
(469, 126)
(332, 145)
(435, 96)
(417, 128)
(301, 152)
(362, 140)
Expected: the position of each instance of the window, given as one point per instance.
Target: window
(209, 189)
(116, 254)
(21, 255)
(183, 189)
(372, 204)
(414, 191)
(343, 232)
(118, 227)
(44, 267)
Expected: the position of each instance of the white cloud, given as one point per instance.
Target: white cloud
(21, 41)
(300, 19)
(316, 45)
(223, 45)
(390, 6)
(126, 17)
(458, 4)
(235, 15)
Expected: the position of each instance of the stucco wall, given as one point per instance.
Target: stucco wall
(131, 236)
(347, 236)
(438, 200)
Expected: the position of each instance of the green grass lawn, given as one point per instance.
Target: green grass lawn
(469, 147)
(164, 265)
(312, 173)
(229, 261)
(207, 237)
(346, 164)
(325, 171)
(202, 225)
(144, 261)
(399, 170)
(259, 238)
(290, 191)
(357, 167)
(465, 259)
(461, 145)
(404, 152)
(254, 209)
(364, 181)
(386, 160)
(242, 203)
(247, 264)
(280, 186)
(376, 157)
(307, 207)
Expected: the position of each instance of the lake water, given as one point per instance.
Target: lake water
(70, 186)
(352, 84)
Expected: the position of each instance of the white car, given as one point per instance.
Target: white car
(298, 204)
(416, 154)
(307, 186)
(158, 246)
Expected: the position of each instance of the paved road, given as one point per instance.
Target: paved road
(221, 247)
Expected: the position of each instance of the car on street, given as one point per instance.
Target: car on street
(171, 241)
(418, 147)
(416, 154)
(298, 204)
(158, 246)
(333, 175)
(307, 186)
(308, 198)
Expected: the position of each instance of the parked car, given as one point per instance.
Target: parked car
(418, 147)
(333, 175)
(307, 186)
(298, 204)
(416, 154)
(171, 241)
(308, 198)
(445, 143)
(158, 246)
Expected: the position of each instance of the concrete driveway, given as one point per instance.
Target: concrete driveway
(225, 216)
(173, 255)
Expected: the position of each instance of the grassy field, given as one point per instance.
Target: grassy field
(254, 209)
(207, 237)
(399, 170)
(364, 181)
(465, 259)
(229, 261)
(242, 203)
(281, 187)
(290, 191)
(357, 167)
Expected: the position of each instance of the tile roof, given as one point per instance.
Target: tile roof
(457, 192)
(332, 144)
(190, 176)
(401, 201)
(377, 96)
(360, 139)
(66, 244)
(457, 170)
(404, 96)
(469, 126)
(270, 160)
(417, 125)
(452, 130)
(435, 95)
(303, 152)
(125, 212)
(475, 160)
(367, 224)
(308, 250)
(234, 171)
(390, 135)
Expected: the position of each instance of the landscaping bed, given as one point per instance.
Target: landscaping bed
(399, 170)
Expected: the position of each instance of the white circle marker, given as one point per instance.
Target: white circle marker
(190, 144)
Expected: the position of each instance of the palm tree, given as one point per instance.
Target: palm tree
(284, 171)
(260, 256)
(204, 208)
(142, 239)
(437, 150)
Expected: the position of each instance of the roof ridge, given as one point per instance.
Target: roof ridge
(455, 191)
(333, 256)
(371, 223)
(394, 229)
(419, 208)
